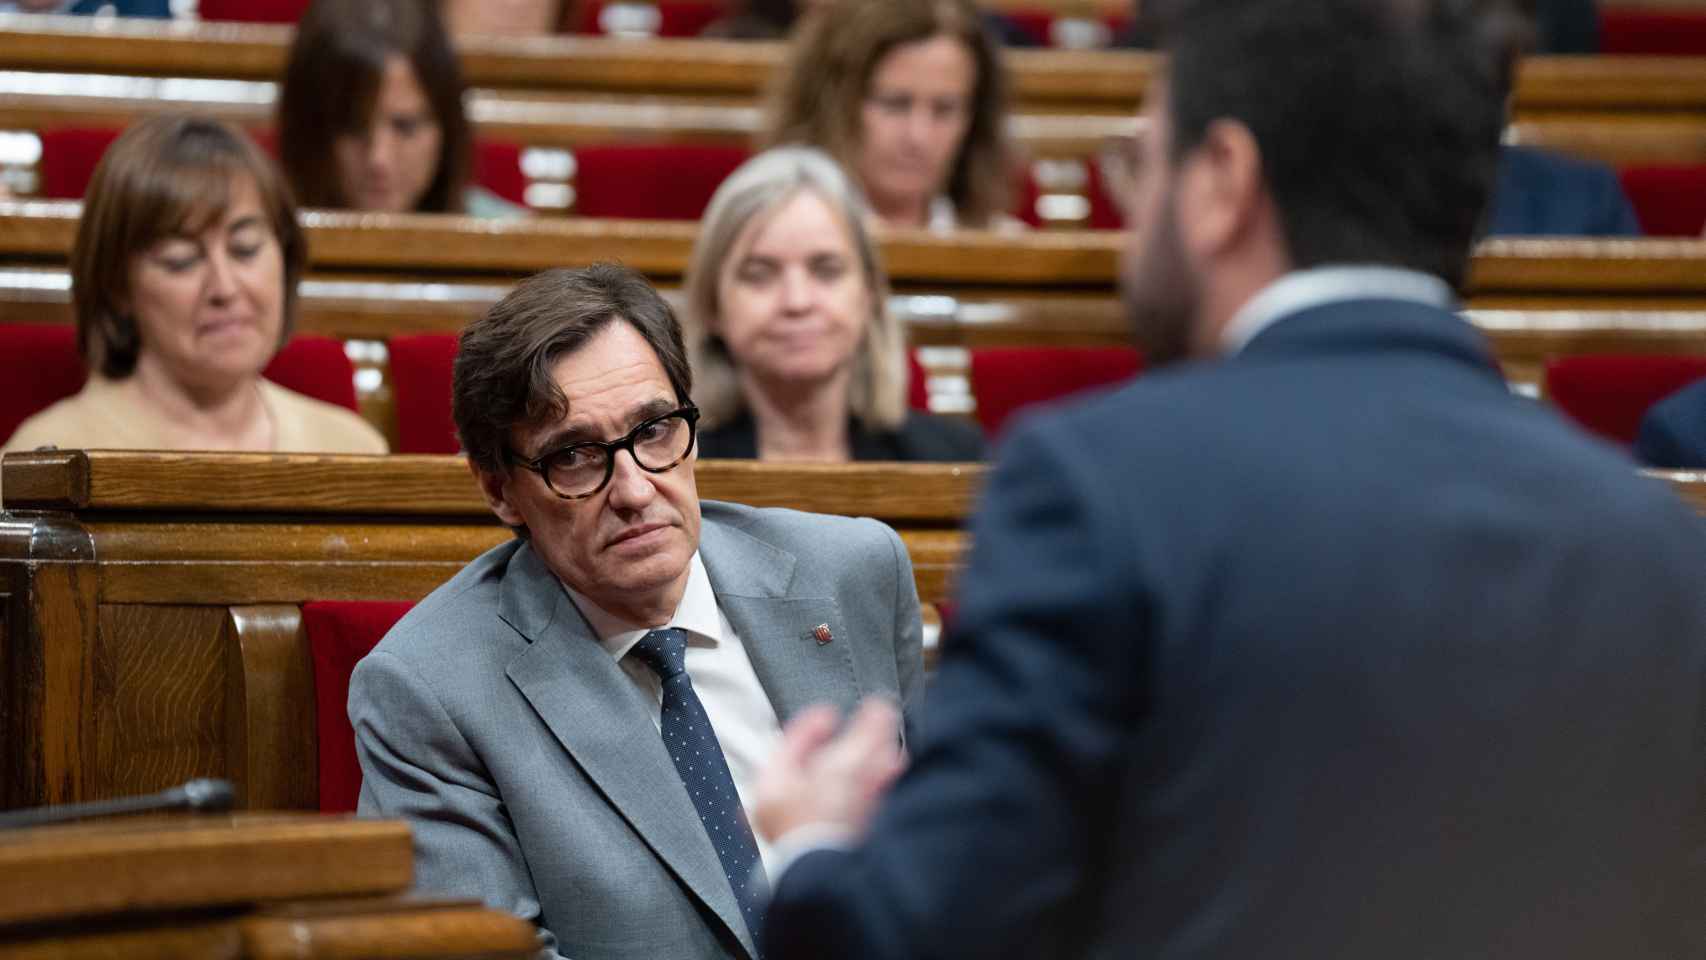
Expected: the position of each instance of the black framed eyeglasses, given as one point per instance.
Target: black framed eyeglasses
(581, 469)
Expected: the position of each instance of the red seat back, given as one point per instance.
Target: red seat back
(1608, 394)
(68, 159)
(420, 382)
(1670, 201)
(917, 383)
(497, 167)
(651, 181)
(1678, 33)
(252, 11)
(39, 366)
(1007, 379)
(317, 367)
(339, 634)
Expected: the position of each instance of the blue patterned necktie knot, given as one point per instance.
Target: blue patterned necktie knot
(704, 771)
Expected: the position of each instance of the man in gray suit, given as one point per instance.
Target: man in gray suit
(567, 722)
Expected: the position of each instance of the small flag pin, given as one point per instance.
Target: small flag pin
(821, 632)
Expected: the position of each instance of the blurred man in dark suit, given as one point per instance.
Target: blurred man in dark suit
(1321, 645)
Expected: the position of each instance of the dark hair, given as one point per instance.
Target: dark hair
(817, 97)
(337, 62)
(1378, 120)
(164, 175)
(502, 378)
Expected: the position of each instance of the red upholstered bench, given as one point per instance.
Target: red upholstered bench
(69, 156)
(651, 181)
(1632, 30)
(1670, 201)
(420, 381)
(39, 366)
(339, 634)
(252, 11)
(1006, 379)
(1609, 393)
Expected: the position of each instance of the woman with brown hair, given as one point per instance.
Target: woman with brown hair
(911, 97)
(183, 280)
(370, 114)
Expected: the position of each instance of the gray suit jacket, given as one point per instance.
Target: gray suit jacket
(528, 764)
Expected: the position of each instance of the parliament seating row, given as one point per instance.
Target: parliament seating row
(154, 603)
(707, 72)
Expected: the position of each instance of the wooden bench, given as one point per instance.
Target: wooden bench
(150, 625)
(1072, 81)
(150, 630)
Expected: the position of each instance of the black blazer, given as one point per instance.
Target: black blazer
(1334, 649)
(923, 436)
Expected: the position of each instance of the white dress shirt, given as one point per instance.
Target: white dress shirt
(717, 663)
(1305, 289)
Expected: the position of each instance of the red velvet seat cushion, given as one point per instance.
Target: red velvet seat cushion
(39, 366)
(420, 381)
(339, 634)
(317, 367)
(1608, 394)
(917, 383)
(252, 11)
(651, 181)
(1680, 33)
(1006, 379)
(497, 167)
(1670, 201)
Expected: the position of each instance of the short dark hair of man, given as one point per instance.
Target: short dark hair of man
(1378, 120)
(502, 377)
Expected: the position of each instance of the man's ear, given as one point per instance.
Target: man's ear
(1221, 189)
(495, 485)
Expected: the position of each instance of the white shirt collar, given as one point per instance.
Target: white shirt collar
(697, 614)
(1305, 289)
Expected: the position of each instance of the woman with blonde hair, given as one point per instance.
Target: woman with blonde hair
(911, 97)
(183, 280)
(787, 323)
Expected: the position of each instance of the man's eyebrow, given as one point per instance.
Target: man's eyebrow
(581, 432)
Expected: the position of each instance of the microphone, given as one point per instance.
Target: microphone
(201, 796)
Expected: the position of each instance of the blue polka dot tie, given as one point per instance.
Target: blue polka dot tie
(699, 761)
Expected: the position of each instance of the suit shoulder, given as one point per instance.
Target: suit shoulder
(796, 530)
(441, 628)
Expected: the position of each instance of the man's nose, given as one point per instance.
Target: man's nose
(630, 486)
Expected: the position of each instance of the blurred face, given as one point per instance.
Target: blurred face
(628, 546)
(792, 303)
(1161, 291)
(514, 18)
(209, 306)
(388, 166)
(914, 118)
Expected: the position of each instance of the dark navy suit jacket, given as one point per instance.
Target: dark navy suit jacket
(1673, 433)
(1542, 193)
(1331, 649)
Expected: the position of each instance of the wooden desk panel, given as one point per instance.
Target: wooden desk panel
(147, 625)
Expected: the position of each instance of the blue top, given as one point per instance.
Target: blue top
(1542, 193)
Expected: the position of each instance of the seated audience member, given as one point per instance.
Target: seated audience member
(788, 325)
(1541, 192)
(370, 113)
(1673, 432)
(505, 18)
(529, 717)
(911, 97)
(159, 9)
(183, 279)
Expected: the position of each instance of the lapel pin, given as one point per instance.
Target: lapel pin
(821, 632)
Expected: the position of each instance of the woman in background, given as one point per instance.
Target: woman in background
(911, 97)
(183, 280)
(787, 322)
(370, 114)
